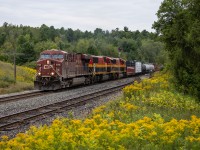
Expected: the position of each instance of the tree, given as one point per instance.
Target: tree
(44, 45)
(125, 29)
(92, 50)
(179, 27)
(151, 52)
(98, 32)
(127, 45)
(70, 35)
(44, 32)
(10, 45)
(25, 49)
(82, 46)
(2, 37)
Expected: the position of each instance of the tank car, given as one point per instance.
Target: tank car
(148, 68)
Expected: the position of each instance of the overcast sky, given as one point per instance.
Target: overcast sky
(81, 14)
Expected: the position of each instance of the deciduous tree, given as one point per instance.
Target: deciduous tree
(178, 25)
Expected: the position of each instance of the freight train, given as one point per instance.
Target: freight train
(58, 69)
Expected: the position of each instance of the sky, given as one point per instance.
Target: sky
(81, 14)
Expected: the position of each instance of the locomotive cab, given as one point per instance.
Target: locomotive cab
(49, 70)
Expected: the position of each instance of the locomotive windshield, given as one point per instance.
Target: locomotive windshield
(54, 56)
(45, 56)
(57, 56)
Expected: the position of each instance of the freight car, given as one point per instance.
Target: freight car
(146, 68)
(59, 69)
(133, 68)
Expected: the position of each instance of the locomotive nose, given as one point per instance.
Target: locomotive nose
(46, 70)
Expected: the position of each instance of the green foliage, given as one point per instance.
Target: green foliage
(179, 26)
(127, 45)
(82, 46)
(25, 49)
(2, 38)
(27, 42)
(44, 45)
(31, 64)
(152, 51)
(92, 50)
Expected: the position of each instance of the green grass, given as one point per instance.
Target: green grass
(25, 77)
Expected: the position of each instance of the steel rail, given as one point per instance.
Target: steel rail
(13, 98)
(10, 122)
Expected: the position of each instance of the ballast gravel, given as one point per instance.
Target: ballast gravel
(78, 112)
(35, 102)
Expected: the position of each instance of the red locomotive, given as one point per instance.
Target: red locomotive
(59, 69)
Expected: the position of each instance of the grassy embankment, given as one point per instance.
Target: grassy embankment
(151, 115)
(25, 77)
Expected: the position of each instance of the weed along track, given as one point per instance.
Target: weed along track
(13, 121)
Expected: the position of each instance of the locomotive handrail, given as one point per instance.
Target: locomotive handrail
(55, 70)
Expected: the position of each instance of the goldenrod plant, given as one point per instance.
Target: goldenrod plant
(150, 115)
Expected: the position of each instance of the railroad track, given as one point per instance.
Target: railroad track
(19, 97)
(12, 98)
(14, 121)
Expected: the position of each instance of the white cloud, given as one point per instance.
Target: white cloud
(81, 14)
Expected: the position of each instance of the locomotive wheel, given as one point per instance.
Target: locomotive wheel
(70, 83)
(87, 81)
(92, 80)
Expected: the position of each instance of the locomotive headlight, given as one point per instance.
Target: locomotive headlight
(48, 62)
(39, 73)
(52, 73)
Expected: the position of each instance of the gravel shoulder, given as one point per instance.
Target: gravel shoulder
(79, 112)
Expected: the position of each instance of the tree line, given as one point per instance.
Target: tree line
(27, 42)
(178, 26)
